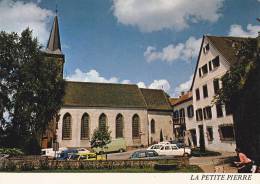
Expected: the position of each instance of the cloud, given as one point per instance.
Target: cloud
(183, 87)
(170, 53)
(237, 30)
(15, 16)
(155, 15)
(94, 76)
(141, 85)
(90, 76)
(160, 84)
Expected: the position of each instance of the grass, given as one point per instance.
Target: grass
(188, 169)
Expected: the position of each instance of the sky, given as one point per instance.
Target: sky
(151, 43)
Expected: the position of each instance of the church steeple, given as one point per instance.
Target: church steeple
(53, 49)
(54, 45)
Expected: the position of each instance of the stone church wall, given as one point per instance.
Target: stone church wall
(94, 113)
(163, 121)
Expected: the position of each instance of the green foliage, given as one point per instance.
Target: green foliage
(31, 90)
(241, 91)
(11, 151)
(100, 138)
(161, 136)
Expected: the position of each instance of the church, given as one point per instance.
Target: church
(140, 116)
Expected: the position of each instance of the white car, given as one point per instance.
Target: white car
(50, 153)
(172, 149)
(155, 147)
(83, 150)
(164, 142)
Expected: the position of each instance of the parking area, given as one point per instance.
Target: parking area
(123, 155)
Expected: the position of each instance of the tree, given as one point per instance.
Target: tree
(100, 138)
(161, 136)
(31, 90)
(241, 93)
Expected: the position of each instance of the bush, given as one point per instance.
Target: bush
(11, 151)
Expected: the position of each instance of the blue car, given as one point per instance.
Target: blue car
(66, 154)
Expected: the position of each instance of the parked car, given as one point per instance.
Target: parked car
(66, 154)
(145, 154)
(83, 150)
(50, 153)
(179, 143)
(155, 147)
(90, 156)
(117, 145)
(173, 149)
(164, 142)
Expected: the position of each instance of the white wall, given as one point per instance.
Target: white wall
(208, 79)
(162, 121)
(94, 114)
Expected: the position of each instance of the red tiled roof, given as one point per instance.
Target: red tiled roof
(183, 98)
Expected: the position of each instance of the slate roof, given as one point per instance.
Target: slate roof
(54, 45)
(156, 99)
(88, 94)
(224, 44)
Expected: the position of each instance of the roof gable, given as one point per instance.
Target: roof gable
(224, 45)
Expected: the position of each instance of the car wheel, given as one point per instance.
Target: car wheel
(186, 154)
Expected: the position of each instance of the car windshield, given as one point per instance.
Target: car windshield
(157, 146)
(174, 147)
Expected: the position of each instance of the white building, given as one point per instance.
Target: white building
(213, 123)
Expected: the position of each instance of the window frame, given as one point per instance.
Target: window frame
(119, 125)
(136, 128)
(152, 126)
(69, 127)
(82, 128)
(205, 91)
(197, 91)
(100, 126)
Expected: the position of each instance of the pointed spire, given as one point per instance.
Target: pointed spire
(54, 45)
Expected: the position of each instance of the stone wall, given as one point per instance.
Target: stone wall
(45, 164)
(94, 113)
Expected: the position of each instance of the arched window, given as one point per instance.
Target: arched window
(152, 126)
(66, 127)
(102, 122)
(119, 126)
(135, 126)
(84, 133)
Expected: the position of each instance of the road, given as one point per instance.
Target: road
(121, 156)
